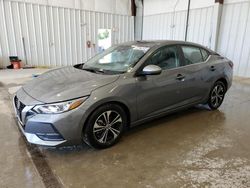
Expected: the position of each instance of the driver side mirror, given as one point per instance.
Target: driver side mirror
(151, 70)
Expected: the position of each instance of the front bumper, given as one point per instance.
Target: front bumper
(49, 129)
(34, 139)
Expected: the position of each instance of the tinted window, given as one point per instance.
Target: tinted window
(204, 54)
(166, 58)
(192, 54)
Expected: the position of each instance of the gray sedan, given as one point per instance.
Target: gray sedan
(124, 86)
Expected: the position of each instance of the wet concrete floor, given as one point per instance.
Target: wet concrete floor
(193, 148)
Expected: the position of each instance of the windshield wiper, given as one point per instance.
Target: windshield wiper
(103, 71)
(94, 70)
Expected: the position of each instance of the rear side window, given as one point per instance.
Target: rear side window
(192, 55)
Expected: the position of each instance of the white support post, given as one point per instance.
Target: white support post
(216, 25)
(138, 20)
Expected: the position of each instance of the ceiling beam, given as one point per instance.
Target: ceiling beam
(219, 1)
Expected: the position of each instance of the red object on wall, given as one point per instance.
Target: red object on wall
(16, 64)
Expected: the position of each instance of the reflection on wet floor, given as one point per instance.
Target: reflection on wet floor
(17, 168)
(192, 148)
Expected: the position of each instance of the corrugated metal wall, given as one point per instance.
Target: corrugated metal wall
(164, 26)
(171, 26)
(234, 31)
(234, 38)
(55, 36)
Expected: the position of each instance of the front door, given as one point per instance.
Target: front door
(159, 93)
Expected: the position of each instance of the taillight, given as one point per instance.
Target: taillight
(231, 64)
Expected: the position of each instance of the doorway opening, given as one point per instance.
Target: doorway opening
(104, 39)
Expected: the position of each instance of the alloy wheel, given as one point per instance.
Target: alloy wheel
(217, 95)
(107, 127)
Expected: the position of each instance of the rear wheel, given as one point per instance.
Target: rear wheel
(217, 95)
(105, 126)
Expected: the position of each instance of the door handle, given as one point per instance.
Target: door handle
(180, 77)
(212, 68)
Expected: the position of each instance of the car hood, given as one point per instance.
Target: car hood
(65, 83)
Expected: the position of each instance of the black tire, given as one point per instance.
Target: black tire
(98, 133)
(216, 95)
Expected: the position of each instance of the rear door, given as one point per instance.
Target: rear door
(195, 70)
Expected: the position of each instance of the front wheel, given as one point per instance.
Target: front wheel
(105, 126)
(217, 95)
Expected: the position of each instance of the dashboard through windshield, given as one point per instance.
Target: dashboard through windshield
(118, 59)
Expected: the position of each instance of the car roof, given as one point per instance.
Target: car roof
(154, 43)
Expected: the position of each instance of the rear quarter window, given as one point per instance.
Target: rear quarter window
(205, 54)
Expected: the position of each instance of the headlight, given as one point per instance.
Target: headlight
(61, 107)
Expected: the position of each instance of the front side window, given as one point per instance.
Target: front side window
(192, 55)
(166, 58)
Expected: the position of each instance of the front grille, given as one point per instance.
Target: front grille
(19, 107)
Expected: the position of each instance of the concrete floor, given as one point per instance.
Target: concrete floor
(194, 148)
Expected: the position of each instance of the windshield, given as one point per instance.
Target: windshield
(118, 59)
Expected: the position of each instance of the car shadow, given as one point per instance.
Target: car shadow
(197, 110)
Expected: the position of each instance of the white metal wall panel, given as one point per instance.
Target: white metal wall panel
(4, 43)
(111, 6)
(171, 26)
(234, 37)
(162, 6)
(55, 36)
(200, 26)
(234, 31)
